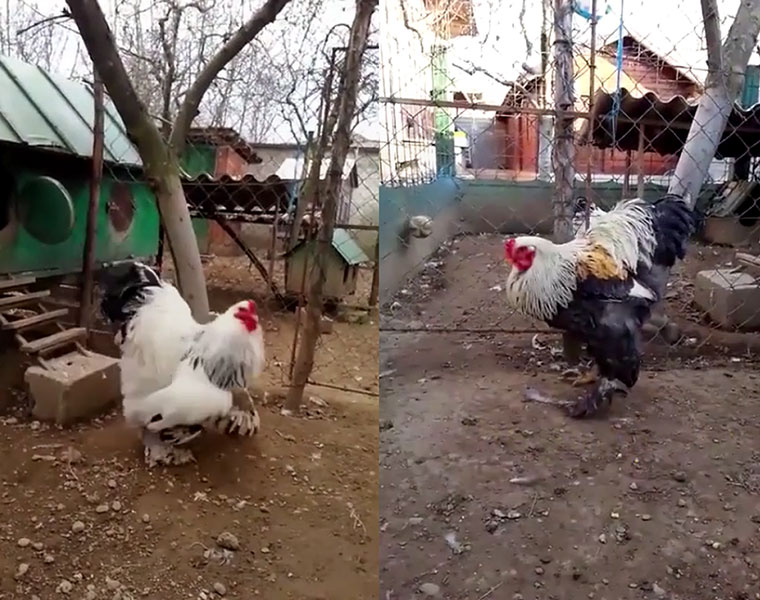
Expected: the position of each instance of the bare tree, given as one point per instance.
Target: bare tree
(341, 141)
(159, 157)
(726, 64)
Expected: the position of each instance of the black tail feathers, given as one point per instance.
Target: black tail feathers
(674, 222)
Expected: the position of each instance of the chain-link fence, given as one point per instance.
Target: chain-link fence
(519, 118)
(262, 125)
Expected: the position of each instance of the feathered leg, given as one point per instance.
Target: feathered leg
(616, 353)
(159, 453)
(597, 399)
(242, 420)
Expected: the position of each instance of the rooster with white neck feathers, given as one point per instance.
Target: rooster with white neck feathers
(601, 286)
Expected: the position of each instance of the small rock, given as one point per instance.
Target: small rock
(101, 508)
(539, 570)
(646, 517)
(77, 527)
(24, 542)
(415, 520)
(681, 502)
(633, 486)
(228, 541)
(513, 514)
(679, 476)
(658, 591)
(602, 538)
(71, 455)
(220, 589)
(430, 589)
(116, 506)
(21, 571)
(38, 546)
(112, 584)
(111, 483)
(146, 518)
(48, 559)
(65, 587)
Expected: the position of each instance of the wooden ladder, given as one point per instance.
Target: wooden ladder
(36, 328)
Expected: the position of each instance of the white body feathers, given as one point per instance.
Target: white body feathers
(625, 233)
(174, 367)
(156, 339)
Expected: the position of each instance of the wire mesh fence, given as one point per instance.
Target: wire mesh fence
(261, 127)
(506, 119)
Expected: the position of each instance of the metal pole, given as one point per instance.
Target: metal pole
(88, 258)
(640, 164)
(591, 95)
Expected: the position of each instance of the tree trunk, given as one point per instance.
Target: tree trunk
(159, 164)
(563, 147)
(310, 192)
(725, 80)
(374, 292)
(340, 146)
(564, 99)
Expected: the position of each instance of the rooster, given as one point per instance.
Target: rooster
(179, 377)
(600, 286)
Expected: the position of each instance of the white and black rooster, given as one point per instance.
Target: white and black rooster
(180, 377)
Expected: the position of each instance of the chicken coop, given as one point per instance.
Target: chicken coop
(45, 150)
(46, 140)
(342, 267)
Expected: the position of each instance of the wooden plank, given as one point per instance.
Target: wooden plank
(22, 299)
(9, 284)
(35, 321)
(57, 340)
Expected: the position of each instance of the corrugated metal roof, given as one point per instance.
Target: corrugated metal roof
(245, 195)
(47, 111)
(347, 247)
(666, 124)
(223, 136)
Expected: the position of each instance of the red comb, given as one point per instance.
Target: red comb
(509, 248)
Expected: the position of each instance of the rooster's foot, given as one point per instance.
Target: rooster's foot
(598, 399)
(237, 422)
(180, 434)
(585, 378)
(159, 453)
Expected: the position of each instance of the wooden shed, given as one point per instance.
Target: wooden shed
(342, 267)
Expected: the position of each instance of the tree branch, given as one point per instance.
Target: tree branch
(242, 37)
(711, 20)
(160, 166)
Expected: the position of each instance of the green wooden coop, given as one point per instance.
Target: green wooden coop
(45, 151)
(46, 139)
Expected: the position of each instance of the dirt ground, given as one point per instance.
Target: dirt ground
(484, 496)
(82, 518)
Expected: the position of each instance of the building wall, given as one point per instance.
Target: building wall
(406, 71)
(229, 162)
